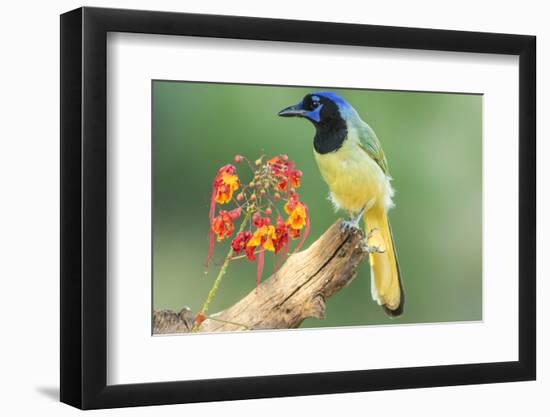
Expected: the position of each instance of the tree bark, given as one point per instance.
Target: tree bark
(298, 290)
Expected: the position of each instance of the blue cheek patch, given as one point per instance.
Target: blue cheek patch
(315, 115)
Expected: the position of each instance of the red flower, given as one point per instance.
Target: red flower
(295, 176)
(240, 241)
(222, 225)
(260, 221)
(249, 251)
(281, 235)
(282, 184)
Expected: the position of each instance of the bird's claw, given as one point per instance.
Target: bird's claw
(366, 248)
(349, 226)
(364, 245)
(371, 233)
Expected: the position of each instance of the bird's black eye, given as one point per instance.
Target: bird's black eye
(314, 102)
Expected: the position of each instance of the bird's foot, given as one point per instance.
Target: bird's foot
(366, 248)
(352, 225)
(371, 233)
(349, 226)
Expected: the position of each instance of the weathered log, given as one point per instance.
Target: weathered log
(298, 290)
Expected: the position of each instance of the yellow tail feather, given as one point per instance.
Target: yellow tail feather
(386, 283)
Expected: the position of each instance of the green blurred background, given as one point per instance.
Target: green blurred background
(433, 143)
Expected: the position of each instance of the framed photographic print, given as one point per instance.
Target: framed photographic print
(258, 207)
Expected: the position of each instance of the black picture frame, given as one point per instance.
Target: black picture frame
(84, 207)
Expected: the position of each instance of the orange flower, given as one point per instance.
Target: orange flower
(227, 184)
(295, 176)
(222, 225)
(291, 203)
(297, 212)
(282, 184)
(297, 217)
(276, 163)
(264, 237)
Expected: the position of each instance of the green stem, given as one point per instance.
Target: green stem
(219, 278)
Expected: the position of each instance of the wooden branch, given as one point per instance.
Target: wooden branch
(298, 290)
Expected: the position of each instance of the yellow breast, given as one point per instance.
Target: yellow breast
(355, 180)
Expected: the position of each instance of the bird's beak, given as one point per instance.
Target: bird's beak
(293, 111)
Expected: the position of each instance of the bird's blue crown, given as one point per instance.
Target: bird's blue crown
(345, 108)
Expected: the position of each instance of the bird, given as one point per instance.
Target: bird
(352, 163)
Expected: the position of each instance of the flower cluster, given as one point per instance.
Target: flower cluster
(284, 171)
(264, 226)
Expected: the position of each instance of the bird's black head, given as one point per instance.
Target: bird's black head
(327, 112)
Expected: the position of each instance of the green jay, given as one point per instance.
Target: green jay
(353, 164)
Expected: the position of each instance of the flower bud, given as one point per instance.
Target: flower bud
(284, 157)
(235, 213)
(277, 196)
(240, 197)
(251, 184)
(262, 192)
(238, 158)
(258, 162)
(199, 318)
(268, 211)
(253, 197)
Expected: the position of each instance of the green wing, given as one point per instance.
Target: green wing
(368, 141)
